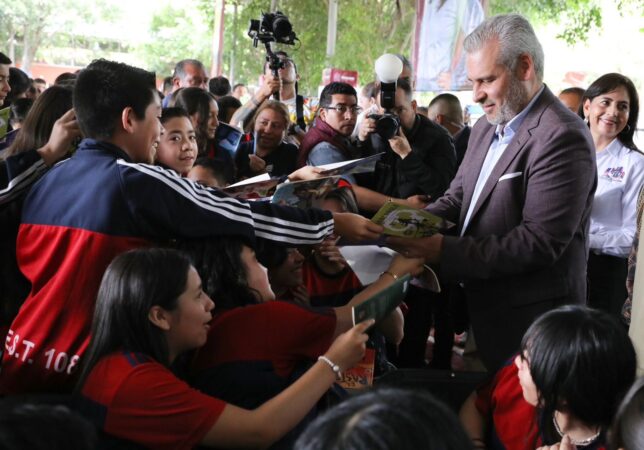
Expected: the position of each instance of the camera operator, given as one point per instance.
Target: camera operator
(285, 84)
(419, 160)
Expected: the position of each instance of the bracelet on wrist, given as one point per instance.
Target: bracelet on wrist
(334, 367)
(393, 275)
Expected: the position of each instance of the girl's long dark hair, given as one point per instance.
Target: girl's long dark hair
(223, 274)
(196, 101)
(132, 284)
(582, 362)
(46, 110)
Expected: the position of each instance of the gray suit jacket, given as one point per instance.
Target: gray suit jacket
(527, 239)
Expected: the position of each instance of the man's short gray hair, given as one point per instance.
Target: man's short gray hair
(180, 68)
(515, 36)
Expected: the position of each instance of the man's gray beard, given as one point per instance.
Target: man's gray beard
(515, 100)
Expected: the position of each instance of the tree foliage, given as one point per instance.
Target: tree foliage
(25, 25)
(576, 17)
(176, 33)
(366, 29)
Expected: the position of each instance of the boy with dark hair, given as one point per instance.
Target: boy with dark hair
(102, 202)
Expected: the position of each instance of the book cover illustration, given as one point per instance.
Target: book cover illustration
(4, 121)
(304, 194)
(258, 187)
(360, 376)
(404, 221)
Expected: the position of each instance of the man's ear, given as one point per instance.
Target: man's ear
(525, 66)
(159, 317)
(127, 119)
(176, 83)
(414, 105)
(322, 114)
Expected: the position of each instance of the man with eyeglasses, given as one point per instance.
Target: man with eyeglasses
(329, 141)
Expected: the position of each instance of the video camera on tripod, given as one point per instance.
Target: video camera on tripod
(272, 27)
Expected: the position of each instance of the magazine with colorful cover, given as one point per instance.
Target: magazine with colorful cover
(405, 221)
(382, 303)
(304, 194)
(261, 186)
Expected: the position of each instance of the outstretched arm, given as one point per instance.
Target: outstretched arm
(237, 427)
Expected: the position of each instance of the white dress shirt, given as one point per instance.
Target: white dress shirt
(620, 173)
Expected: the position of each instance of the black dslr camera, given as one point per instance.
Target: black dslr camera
(387, 124)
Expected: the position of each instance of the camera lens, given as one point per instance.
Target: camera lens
(387, 126)
(282, 28)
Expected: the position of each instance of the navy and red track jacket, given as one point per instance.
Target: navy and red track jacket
(88, 209)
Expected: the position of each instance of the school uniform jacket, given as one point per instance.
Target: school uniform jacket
(83, 213)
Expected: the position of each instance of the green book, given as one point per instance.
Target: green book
(404, 221)
(381, 304)
(4, 121)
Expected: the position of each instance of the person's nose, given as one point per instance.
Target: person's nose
(612, 109)
(210, 305)
(478, 95)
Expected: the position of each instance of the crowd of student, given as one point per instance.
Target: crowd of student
(177, 315)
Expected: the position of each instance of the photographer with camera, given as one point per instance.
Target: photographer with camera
(286, 86)
(419, 159)
(419, 162)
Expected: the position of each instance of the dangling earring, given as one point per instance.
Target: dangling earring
(586, 120)
(628, 128)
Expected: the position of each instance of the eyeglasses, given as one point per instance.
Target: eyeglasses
(342, 109)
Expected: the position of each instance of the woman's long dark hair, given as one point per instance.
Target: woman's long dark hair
(196, 101)
(582, 362)
(46, 110)
(132, 284)
(223, 274)
(610, 82)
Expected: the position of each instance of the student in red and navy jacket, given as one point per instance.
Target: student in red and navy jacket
(150, 309)
(563, 388)
(102, 202)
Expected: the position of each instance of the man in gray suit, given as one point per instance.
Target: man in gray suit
(521, 198)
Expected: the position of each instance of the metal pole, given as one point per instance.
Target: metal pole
(218, 39)
(332, 28)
